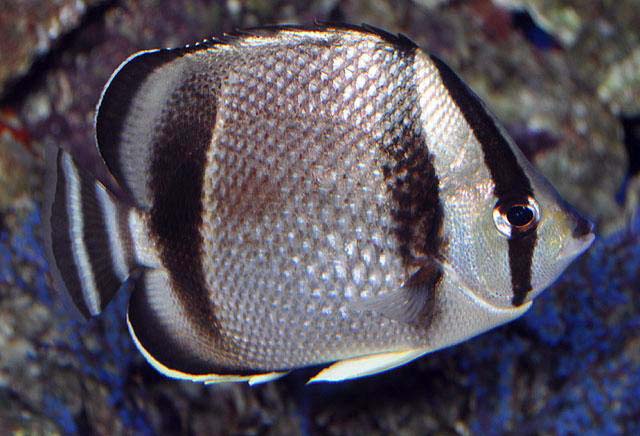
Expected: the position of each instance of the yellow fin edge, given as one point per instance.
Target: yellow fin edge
(367, 365)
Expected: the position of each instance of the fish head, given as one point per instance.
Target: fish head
(516, 244)
(507, 234)
(562, 234)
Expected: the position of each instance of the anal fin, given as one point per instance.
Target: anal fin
(251, 379)
(367, 365)
(175, 346)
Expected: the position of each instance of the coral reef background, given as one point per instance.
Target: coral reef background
(564, 77)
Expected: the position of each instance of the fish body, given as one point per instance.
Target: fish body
(294, 196)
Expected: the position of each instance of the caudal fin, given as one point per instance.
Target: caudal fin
(88, 239)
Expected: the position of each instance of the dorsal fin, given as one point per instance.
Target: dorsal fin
(131, 105)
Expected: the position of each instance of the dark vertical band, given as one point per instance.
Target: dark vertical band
(176, 181)
(507, 174)
(415, 191)
(416, 209)
(520, 255)
(511, 182)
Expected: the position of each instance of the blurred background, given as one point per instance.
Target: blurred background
(563, 76)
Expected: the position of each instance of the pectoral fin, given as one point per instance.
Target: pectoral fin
(413, 302)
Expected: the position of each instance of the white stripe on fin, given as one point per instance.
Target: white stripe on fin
(109, 212)
(203, 378)
(367, 365)
(144, 253)
(76, 226)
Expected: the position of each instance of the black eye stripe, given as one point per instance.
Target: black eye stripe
(516, 218)
(507, 174)
(520, 258)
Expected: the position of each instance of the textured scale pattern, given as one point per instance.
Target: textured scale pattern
(292, 196)
(292, 206)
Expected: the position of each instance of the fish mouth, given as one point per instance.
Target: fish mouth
(574, 247)
(582, 236)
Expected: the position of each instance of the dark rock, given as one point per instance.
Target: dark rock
(29, 29)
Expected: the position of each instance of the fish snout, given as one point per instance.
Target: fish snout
(582, 237)
(583, 227)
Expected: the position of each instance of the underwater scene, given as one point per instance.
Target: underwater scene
(563, 78)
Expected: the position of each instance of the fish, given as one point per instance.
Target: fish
(302, 195)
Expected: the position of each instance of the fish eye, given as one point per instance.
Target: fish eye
(519, 215)
(516, 217)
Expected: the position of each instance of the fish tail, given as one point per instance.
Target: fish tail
(88, 241)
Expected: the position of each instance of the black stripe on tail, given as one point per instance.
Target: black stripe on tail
(88, 252)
